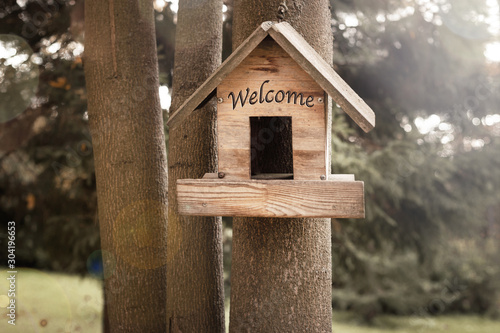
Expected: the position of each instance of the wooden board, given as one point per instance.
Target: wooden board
(271, 198)
(267, 70)
(333, 177)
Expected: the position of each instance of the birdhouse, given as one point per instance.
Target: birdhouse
(273, 133)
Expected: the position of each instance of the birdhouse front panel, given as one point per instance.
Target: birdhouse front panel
(269, 98)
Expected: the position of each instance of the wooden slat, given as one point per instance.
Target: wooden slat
(269, 176)
(213, 81)
(333, 177)
(271, 198)
(235, 163)
(210, 176)
(308, 164)
(296, 46)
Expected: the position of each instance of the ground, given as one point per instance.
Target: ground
(51, 302)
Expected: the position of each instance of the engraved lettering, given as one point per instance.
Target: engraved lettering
(253, 98)
(281, 93)
(240, 97)
(309, 100)
(269, 92)
(262, 96)
(295, 96)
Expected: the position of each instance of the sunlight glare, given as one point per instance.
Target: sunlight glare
(165, 98)
(492, 119)
(54, 47)
(21, 3)
(493, 18)
(380, 18)
(447, 139)
(6, 52)
(77, 48)
(161, 4)
(426, 125)
(492, 52)
(351, 20)
(17, 60)
(174, 5)
(400, 13)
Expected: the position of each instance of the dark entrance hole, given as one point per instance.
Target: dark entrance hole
(271, 148)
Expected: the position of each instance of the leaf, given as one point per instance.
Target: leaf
(76, 62)
(61, 83)
(30, 201)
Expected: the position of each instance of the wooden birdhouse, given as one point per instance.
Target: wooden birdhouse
(272, 92)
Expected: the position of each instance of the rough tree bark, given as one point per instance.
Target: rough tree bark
(195, 296)
(130, 160)
(281, 270)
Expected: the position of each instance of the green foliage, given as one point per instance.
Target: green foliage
(428, 190)
(47, 181)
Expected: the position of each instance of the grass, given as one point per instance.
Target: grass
(344, 322)
(51, 302)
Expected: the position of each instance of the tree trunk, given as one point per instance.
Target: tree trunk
(130, 160)
(195, 296)
(281, 270)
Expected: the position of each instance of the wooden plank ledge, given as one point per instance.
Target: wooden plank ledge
(271, 198)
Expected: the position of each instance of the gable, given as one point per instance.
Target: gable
(304, 55)
(270, 82)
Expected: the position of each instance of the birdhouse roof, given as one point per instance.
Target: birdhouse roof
(307, 58)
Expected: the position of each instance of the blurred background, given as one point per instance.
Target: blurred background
(426, 258)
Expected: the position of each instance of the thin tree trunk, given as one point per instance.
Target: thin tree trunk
(130, 160)
(195, 296)
(281, 269)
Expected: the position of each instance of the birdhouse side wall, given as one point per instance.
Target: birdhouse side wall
(269, 83)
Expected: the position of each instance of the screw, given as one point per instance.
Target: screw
(221, 175)
(204, 204)
(320, 100)
(322, 177)
(220, 100)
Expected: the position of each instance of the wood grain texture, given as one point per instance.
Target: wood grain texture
(269, 63)
(128, 142)
(195, 281)
(271, 198)
(211, 83)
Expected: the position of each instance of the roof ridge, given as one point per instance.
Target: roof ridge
(306, 57)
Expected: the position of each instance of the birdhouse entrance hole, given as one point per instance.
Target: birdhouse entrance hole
(271, 148)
